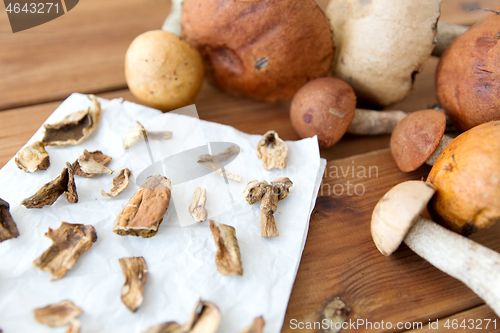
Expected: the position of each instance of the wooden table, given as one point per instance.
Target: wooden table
(83, 51)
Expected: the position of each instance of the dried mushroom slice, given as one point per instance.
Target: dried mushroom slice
(96, 157)
(255, 190)
(205, 318)
(120, 183)
(273, 151)
(283, 184)
(8, 228)
(49, 192)
(136, 274)
(224, 156)
(211, 162)
(138, 131)
(145, 210)
(70, 242)
(197, 207)
(74, 326)
(33, 157)
(74, 128)
(227, 258)
(257, 326)
(59, 314)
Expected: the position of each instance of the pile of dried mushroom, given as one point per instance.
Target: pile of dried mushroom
(141, 216)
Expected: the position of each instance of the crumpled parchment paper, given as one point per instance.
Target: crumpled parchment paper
(181, 256)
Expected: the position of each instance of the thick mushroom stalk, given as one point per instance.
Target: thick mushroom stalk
(397, 218)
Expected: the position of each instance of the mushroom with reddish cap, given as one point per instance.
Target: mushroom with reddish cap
(419, 138)
(467, 179)
(326, 107)
(397, 218)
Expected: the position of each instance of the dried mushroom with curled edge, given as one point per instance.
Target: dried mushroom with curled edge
(136, 274)
(74, 128)
(59, 314)
(33, 157)
(8, 228)
(92, 163)
(120, 183)
(257, 326)
(145, 210)
(70, 242)
(272, 151)
(197, 207)
(212, 162)
(270, 194)
(227, 258)
(50, 192)
(138, 131)
(205, 318)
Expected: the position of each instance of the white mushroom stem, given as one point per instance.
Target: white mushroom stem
(478, 267)
(446, 34)
(442, 145)
(173, 21)
(371, 122)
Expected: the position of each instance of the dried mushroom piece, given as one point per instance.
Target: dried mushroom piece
(211, 162)
(33, 157)
(197, 207)
(95, 156)
(138, 131)
(70, 242)
(74, 128)
(50, 192)
(257, 326)
(120, 183)
(270, 194)
(8, 228)
(273, 151)
(224, 156)
(136, 274)
(205, 318)
(59, 314)
(145, 210)
(227, 258)
(74, 326)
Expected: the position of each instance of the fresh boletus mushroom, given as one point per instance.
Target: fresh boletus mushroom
(468, 75)
(397, 218)
(262, 49)
(419, 138)
(467, 180)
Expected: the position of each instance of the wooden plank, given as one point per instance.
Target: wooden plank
(479, 318)
(341, 260)
(82, 50)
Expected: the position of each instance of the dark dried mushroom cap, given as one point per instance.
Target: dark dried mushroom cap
(416, 137)
(8, 228)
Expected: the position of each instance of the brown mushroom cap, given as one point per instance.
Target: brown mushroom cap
(262, 49)
(468, 75)
(416, 137)
(467, 179)
(324, 107)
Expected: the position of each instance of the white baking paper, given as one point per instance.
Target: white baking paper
(180, 259)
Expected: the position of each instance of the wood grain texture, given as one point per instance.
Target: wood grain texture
(83, 50)
(342, 260)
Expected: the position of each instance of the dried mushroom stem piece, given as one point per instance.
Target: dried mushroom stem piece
(136, 274)
(257, 326)
(138, 131)
(70, 242)
(50, 192)
(88, 162)
(74, 128)
(59, 314)
(8, 228)
(145, 210)
(227, 258)
(220, 171)
(197, 207)
(120, 183)
(33, 157)
(273, 151)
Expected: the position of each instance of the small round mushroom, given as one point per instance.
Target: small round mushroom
(419, 138)
(397, 218)
(162, 70)
(326, 107)
(467, 179)
(468, 75)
